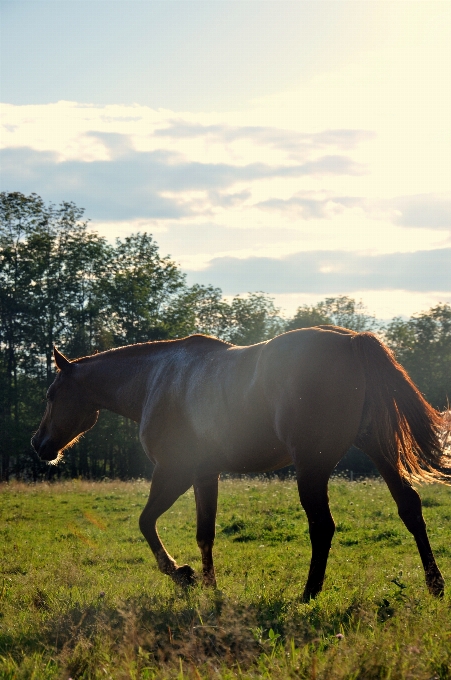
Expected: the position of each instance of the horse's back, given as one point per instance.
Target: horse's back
(246, 408)
(304, 389)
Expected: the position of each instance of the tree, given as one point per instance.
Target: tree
(241, 321)
(251, 319)
(16, 219)
(68, 264)
(20, 217)
(140, 292)
(201, 309)
(49, 264)
(340, 311)
(423, 346)
(306, 317)
(346, 312)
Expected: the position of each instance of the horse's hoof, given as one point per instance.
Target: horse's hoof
(435, 581)
(309, 595)
(184, 576)
(306, 597)
(436, 587)
(209, 580)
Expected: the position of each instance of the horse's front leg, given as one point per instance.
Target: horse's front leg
(206, 493)
(167, 485)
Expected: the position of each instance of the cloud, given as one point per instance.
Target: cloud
(294, 143)
(132, 183)
(228, 200)
(105, 189)
(330, 165)
(425, 211)
(120, 119)
(430, 211)
(326, 271)
(202, 241)
(305, 208)
(117, 144)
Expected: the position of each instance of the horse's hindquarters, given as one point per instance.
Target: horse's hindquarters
(316, 391)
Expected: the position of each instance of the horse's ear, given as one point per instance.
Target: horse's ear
(60, 360)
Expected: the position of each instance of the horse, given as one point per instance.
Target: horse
(206, 407)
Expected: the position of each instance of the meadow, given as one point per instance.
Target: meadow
(81, 596)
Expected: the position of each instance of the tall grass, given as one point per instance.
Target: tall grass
(81, 597)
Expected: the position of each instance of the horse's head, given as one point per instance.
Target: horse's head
(68, 414)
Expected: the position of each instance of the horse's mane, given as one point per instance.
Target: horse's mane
(130, 351)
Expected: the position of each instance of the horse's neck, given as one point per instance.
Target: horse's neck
(117, 383)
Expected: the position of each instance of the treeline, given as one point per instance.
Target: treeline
(62, 284)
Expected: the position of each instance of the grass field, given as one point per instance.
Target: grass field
(81, 597)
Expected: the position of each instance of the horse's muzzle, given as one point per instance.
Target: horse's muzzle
(44, 447)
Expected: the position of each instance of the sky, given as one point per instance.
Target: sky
(297, 148)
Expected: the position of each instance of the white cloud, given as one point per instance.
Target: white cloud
(322, 271)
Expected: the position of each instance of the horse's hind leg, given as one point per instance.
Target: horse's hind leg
(167, 485)
(206, 493)
(312, 485)
(409, 509)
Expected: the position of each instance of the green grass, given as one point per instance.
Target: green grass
(81, 596)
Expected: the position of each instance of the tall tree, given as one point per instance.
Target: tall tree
(200, 309)
(140, 292)
(241, 320)
(68, 261)
(423, 346)
(251, 319)
(19, 217)
(49, 265)
(307, 316)
(340, 311)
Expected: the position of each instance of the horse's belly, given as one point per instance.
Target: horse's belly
(257, 462)
(254, 457)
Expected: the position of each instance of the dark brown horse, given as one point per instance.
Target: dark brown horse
(205, 406)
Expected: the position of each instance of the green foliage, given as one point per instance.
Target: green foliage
(423, 346)
(140, 291)
(251, 319)
(306, 317)
(81, 595)
(49, 266)
(241, 321)
(49, 262)
(340, 311)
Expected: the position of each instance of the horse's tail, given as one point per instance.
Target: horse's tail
(396, 417)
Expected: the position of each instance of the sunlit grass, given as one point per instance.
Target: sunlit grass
(81, 596)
